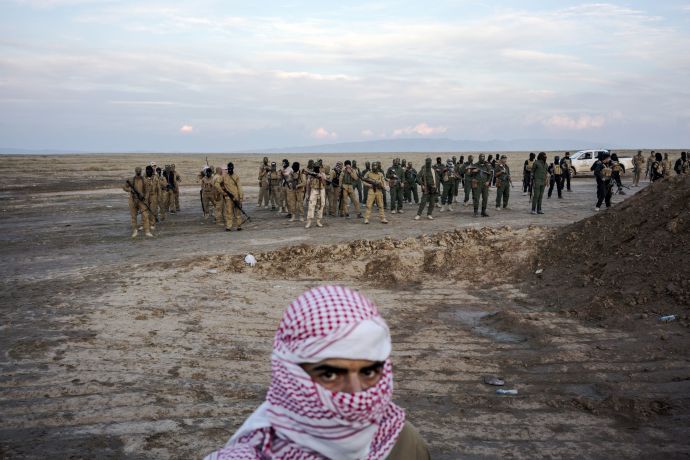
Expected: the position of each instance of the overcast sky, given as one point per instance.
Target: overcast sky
(209, 75)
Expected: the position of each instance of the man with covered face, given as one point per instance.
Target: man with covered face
(429, 179)
(539, 172)
(176, 187)
(333, 190)
(152, 185)
(349, 179)
(374, 182)
(365, 190)
(229, 185)
(285, 171)
(331, 388)
(207, 192)
(466, 181)
(316, 191)
(296, 182)
(480, 181)
(139, 195)
(448, 180)
(263, 183)
(274, 179)
(410, 184)
(395, 177)
(503, 182)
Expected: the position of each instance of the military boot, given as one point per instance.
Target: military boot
(450, 208)
(134, 233)
(484, 214)
(308, 223)
(292, 219)
(443, 208)
(476, 212)
(318, 223)
(149, 234)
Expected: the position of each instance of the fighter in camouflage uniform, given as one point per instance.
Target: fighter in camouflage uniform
(349, 181)
(231, 183)
(263, 183)
(480, 177)
(503, 182)
(296, 183)
(138, 196)
(430, 181)
(448, 179)
(638, 164)
(467, 182)
(207, 192)
(395, 177)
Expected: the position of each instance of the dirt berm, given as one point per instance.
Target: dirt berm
(629, 261)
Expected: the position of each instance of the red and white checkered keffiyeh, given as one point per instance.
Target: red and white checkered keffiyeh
(302, 420)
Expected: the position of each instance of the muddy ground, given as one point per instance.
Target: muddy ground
(158, 348)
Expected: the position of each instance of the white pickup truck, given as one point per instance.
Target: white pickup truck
(583, 160)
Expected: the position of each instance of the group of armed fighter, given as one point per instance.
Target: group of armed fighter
(344, 188)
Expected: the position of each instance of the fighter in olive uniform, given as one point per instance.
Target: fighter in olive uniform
(480, 176)
(602, 173)
(467, 182)
(556, 177)
(349, 181)
(395, 177)
(448, 178)
(430, 181)
(539, 172)
(503, 182)
(527, 175)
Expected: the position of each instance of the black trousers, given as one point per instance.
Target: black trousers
(567, 180)
(526, 183)
(603, 192)
(558, 182)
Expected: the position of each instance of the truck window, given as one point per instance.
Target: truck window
(588, 156)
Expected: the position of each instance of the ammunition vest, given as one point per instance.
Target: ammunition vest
(528, 166)
(557, 170)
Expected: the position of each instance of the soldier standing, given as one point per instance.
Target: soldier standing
(438, 167)
(480, 175)
(503, 182)
(263, 183)
(176, 187)
(316, 190)
(429, 179)
(349, 179)
(567, 170)
(274, 180)
(374, 180)
(152, 200)
(682, 165)
(448, 180)
(602, 173)
(162, 205)
(218, 197)
(230, 185)
(666, 165)
(365, 190)
(207, 192)
(638, 162)
(539, 173)
(138, 197)
(467, 182)
(169, 187)
(617, 168)
(527, 175)
(656, 168)
(410, 190)
(395, 176)
(650, 161)
(358, 181)
(556, 177)
(284, 173)
(334, 189)
(296, 183)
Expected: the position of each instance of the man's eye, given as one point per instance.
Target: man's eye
(370, 373)
(328, 376)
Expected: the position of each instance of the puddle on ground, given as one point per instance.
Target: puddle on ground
(472, 319)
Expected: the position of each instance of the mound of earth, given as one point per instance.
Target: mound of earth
(462, 254)
(633, 259)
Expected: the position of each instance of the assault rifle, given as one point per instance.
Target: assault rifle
(374, 185)
(201, 195)
(313, 174)
(236, 202)
(135, 193)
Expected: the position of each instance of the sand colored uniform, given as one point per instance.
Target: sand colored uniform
(263, 185)
(274, 181)
(374, 182)
(296, 183)
(638, 165)
(207, 194)
(231, 183)
(333, 191)
(176, 191)
(137, 201)
(316, 187)
(217, 200)
(349, 185)
(152, 200)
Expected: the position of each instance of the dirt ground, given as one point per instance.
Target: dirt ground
(159, 348)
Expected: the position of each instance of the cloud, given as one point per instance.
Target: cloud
(322, 133)
(575, 123)
(367, 133)
(187, 129)
(421, 129)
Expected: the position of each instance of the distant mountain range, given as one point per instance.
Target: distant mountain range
(440, 145)
(377, 146)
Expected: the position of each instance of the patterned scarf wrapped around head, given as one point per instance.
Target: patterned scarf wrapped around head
(302, 420)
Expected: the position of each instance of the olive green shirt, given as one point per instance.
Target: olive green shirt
(409, 446)
(539, 172)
